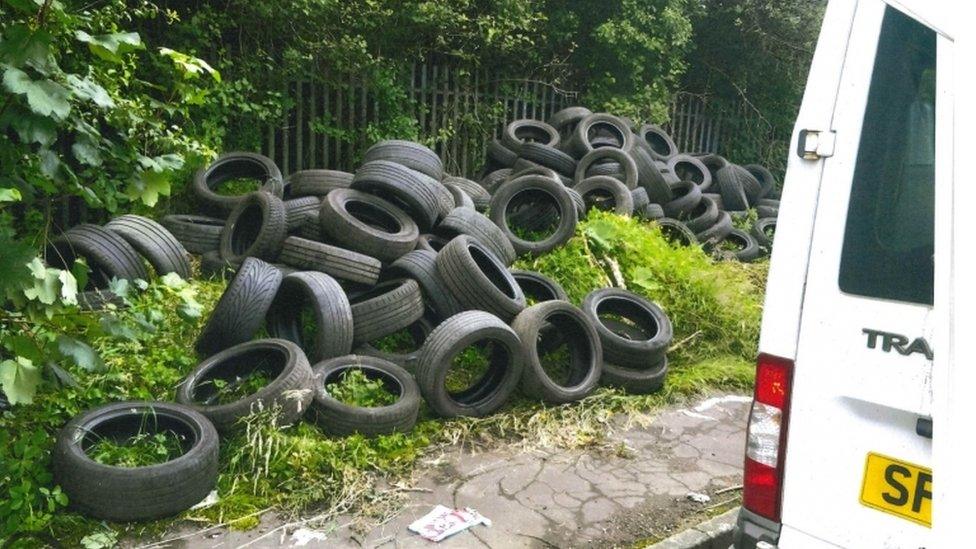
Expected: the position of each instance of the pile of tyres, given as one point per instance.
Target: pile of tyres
(327, 264)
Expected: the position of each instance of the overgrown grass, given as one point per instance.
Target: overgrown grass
(296, 469)
(140, 450)
(356, 389)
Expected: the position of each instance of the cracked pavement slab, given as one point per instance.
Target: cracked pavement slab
(559, 498)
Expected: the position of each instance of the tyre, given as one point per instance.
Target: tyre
(311, 227)
(635, 381)
(421, 266)
(611, 168)
(606, 193)
(409, 154)
(459, 198)
(565, 120)
(478, 280)
(600, 126)
(230, 166)
(197, 233)
(519, 132)
(431, 242)
(583, 364)
(447, 341)
(318, 183)
(764, 231)
(404, 356)
(309, 255)
(639, 313)
(283, 362)
(367, 224)
(255, 228)
(542, 192)
(478, 194)
(747, 248)
(492, 180)
(500, 154)
(163, 251)
(241, 309)
(686, 195)
(124, 494)
(386, 308)
(616, 155)
(214, 266)
(463, 221)
(640, 199)
(702, 216)
(714, 163)
(767, 211)
(413, 191)
(731, 186)
(539, 170)
(717, 232)
(538, 288)
(767, 182)
(578, 202)
(650, 178)
(108, 255)
(772, 203)
(311, 310)
(652, 212)
(337, 418)
(661, 145)
(297, 208)
(717, 198)
(688, 168)
(676, 231)
(549, 157)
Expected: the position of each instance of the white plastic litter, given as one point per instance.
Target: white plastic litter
(442, 522)
(698, 498)
(304, 536)
(211, 499)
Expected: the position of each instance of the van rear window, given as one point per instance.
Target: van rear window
(889, 237)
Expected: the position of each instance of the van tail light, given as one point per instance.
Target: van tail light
(766, 439)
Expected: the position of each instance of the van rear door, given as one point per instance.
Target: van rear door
(858, 457)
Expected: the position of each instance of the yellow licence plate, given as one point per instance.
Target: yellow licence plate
(898, 487)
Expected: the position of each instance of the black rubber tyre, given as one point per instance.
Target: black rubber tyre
(163, 251)
(676, 231)
(714, 163)
(409, 154)
(108, 255)
(687, 196)
(767, 182)
(659, 143)
(421, 265)
(590, 129)
(547, 194)
(337, 418)
(197, 233)
(731, 186)
(538, 287)
(241, 309)
(473, 224)
(641, 381)
(311, 227)
(478, 194)
(519, 132)
(123, 494)
(761, 229)
(565, 120)
(413, 191)
(368, 224)
(717, 232)
(230, 166)
(492, 180)
(702, 216)
(449, 339)
(572, 327)
(640, 199)
(748, 248)
(605, 193)
(650, 178)
(688, 168)
(431, 242)
(500, 154)
(214, 266)
(772, 203)
(609, 167)
(386, 308)
(478, 279)
(327, 301)
(616, 155)
(297, 208)
(407, 358)
(290, 388)
(550, 157)
(255, 228)
(717, 198)
(643, 314)
(652, 212)
(309, 255)
(767, 211)
(459, 198)
(578, 202)
(317, 182)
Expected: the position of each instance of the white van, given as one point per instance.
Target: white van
(870, 300)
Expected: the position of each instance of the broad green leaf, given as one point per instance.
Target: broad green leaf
(173, 280)
(79, 270)
(46, 289)
(92, 91)
(10, 195)
(14, 275)
(114, 327)
(79, 351)
(33, 128)
(16, 81)
(26, 6)
(111, 46)
(37, 268)
(119, 287)
(87, 153)
(189, 65)
(19, 379)
(69, 288)
(148, 185)
(49, 98)
(62, 376)
(189, 310)
(23, 45)
(49, 163)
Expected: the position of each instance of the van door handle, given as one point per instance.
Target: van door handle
(923, 427)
